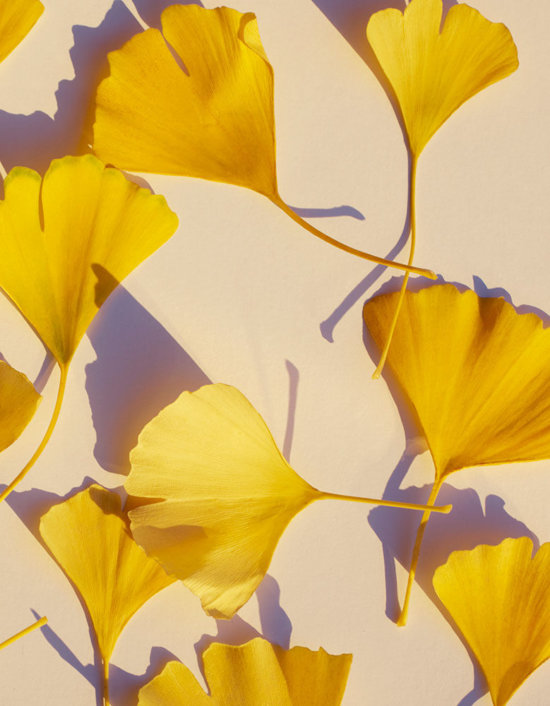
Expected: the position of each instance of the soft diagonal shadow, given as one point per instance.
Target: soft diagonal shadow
(36, 139)
(140, 368)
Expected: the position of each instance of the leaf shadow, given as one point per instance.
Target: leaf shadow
(140, 369)
(468, 525)
(36, 139)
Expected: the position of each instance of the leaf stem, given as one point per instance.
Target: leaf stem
(346, 248)
(106, 701)
(22, 633)
(412, 201)
(402, 620)
(445, 509)
(42, 445)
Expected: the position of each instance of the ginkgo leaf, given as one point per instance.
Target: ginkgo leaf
(224, 495)
(17, 18)
(213, 120)
(252, 674)
(476, 374)
(499, 597)
(89, 538)
(69, 238)
(18, 403)
(197, 100)
(434, 71)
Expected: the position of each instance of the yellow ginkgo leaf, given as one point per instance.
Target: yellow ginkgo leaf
(499, 597)
(17, 18)
(18, 403)
(89, 538)
(434, 71)
(97, 227)
(197, 100)
(475, 372)
(252, 674)
(224, 495)
(66, 242)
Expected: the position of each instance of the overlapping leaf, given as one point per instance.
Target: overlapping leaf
(252, 674)
(499, 597)
(476, 373)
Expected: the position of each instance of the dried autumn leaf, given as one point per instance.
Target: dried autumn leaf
(251, 674)
(17, 18)
(18, 403)
(224, 495)
(197, 100)
(475, 372)
(88, 537)
(432, 72)
(499, 598)
(67, 240)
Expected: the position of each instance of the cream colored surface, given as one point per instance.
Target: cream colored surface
(240, 295)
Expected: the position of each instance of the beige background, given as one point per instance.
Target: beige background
(242, 295)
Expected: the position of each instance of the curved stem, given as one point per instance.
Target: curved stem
(445, 509)
(22, 633)
(412, 201)
(346, 248)
(106, 701)
(402, 620)
(42, 445)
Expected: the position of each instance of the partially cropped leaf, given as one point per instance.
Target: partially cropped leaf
(69, 238)
(88, 537)
(18, 403)
(499, 597)
(253, 674)
(17, 18)
(433, 70)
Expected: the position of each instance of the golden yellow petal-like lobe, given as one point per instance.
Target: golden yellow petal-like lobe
(174, 685)
(18, 403)
(475, 371)
(431, 72)
(97, 227)
(225, 495)
(90, 540)
(253, 674)
(17, 18)
(210, 118)
(499, 597)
